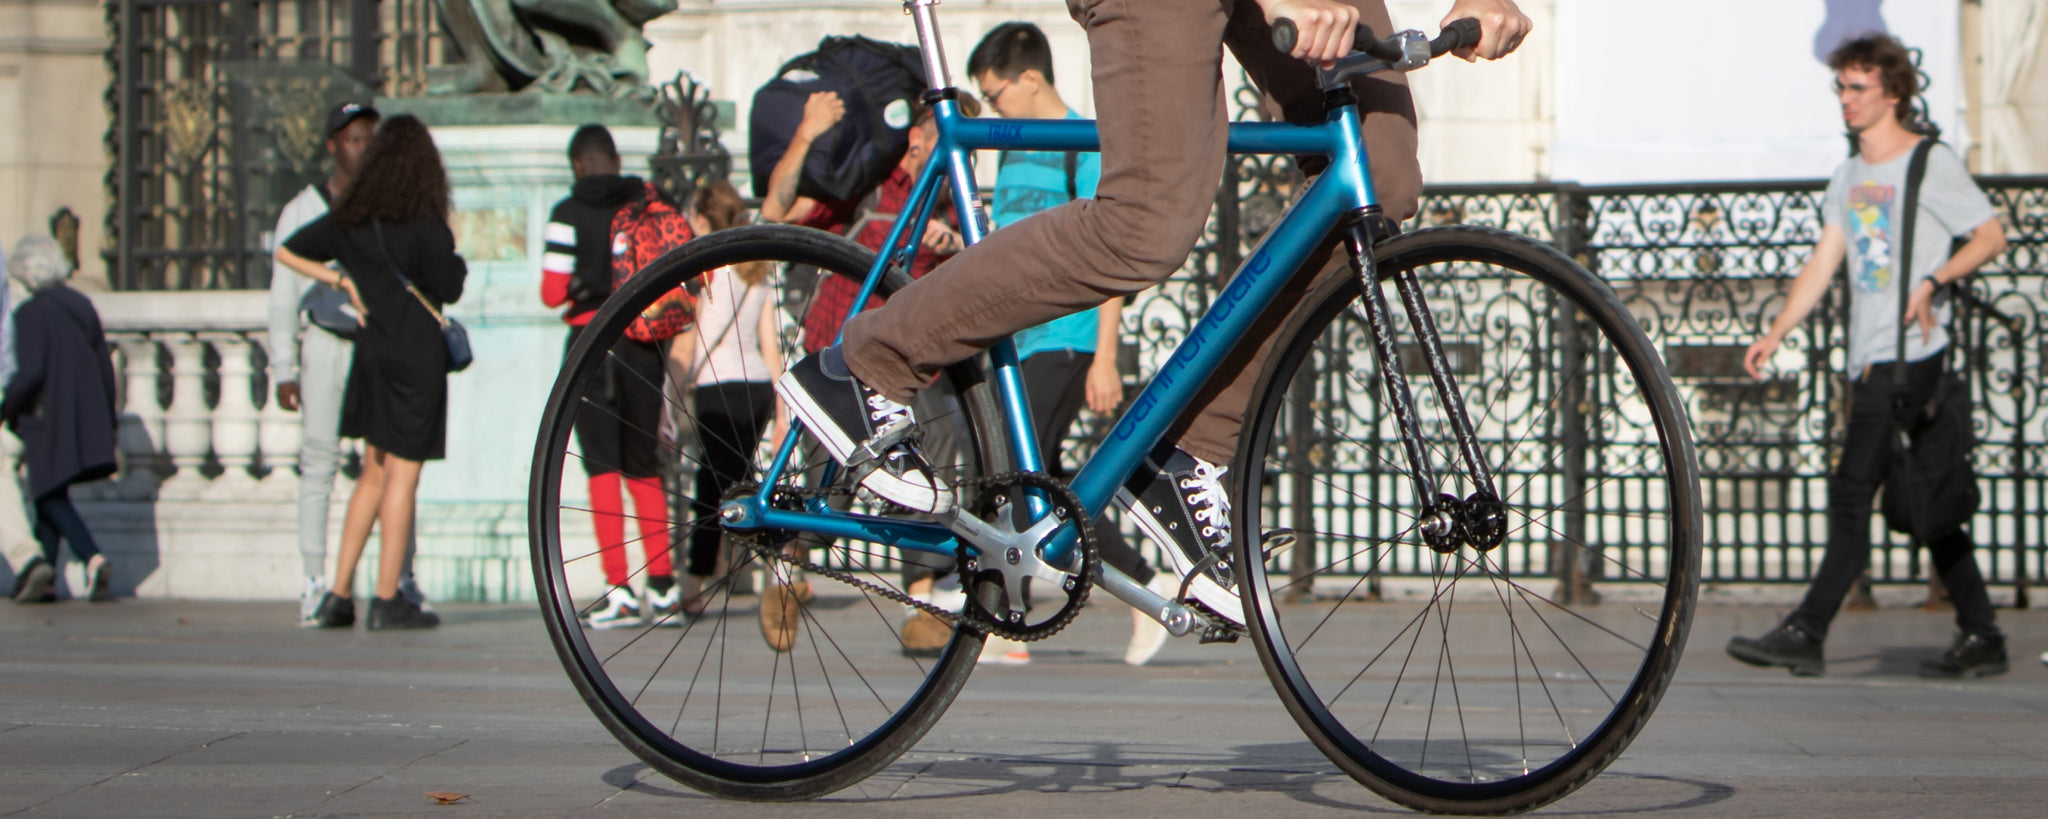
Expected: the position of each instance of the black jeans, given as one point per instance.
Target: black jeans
(1866, 461)
(730, 419)
(1056, 383)
(57, 518)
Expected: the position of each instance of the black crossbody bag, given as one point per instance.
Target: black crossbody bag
(1932, 489)
(453, 335)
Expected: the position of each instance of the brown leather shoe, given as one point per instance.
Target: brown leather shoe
(925, 636)
(781, 609)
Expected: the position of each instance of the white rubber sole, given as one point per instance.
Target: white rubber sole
(896, 490)
(1212, 594)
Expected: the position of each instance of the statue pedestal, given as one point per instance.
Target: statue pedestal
(506, 179)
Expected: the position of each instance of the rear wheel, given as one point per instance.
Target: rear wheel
(725, 700)
(1473, 679)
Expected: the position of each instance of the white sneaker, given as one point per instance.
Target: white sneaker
(309, 602)
(1147, 635)
(666, 608)
(1003, 651)
(621, 609)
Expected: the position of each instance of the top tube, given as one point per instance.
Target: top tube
(989, 133)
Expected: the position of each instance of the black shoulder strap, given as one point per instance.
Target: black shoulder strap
(1902, 264)
(1073, 164)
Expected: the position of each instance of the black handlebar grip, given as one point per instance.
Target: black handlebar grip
(1459, 34)
(1285, 34)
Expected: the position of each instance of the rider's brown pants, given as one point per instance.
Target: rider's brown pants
(1159, 98)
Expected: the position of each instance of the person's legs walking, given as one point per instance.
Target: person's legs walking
(1865, 459)
(1979, 648)
(54, 509)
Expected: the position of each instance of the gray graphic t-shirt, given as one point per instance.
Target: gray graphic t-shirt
(1865, 200)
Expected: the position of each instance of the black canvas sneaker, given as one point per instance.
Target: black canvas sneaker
(398, 614)
(1178, 501)
(864, 430)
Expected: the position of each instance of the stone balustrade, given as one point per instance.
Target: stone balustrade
(197, 418)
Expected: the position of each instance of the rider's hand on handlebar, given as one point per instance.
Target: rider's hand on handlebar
(1324, 27)
(1502, 26)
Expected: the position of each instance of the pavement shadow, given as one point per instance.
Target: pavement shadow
(1294, 769)
(1894, 661)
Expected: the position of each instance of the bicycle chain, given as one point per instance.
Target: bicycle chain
(1063, 498)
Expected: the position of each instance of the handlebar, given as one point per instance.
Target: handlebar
(1459, 34)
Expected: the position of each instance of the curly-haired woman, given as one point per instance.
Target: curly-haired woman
(393, 223)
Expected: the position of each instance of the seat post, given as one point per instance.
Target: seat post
(925, 14)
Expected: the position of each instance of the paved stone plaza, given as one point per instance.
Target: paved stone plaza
(163, 709)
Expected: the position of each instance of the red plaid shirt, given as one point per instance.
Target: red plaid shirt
(834, 299)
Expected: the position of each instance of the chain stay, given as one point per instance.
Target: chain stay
(973, 616)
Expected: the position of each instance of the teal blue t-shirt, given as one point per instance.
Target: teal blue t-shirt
(1031, 181)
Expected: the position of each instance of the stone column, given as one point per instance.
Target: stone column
(142, 417)
(188, 424)
(234, 416)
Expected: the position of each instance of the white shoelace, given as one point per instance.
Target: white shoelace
(882, 411)
(1207, 501)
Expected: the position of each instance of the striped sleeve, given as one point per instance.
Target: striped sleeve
(560, 255)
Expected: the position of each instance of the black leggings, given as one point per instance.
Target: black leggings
(730, 419)
(56, 517)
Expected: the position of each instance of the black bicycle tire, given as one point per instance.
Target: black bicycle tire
(1626, 720)
(827, 252)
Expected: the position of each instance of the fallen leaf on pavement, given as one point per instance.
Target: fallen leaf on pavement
(447, 798)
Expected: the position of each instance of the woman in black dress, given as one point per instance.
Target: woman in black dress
(61, 402)
(393, 221)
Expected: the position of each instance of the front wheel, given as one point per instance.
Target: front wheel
(1482, 678)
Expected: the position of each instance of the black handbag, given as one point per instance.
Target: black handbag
(453, 335)
(1932, 488)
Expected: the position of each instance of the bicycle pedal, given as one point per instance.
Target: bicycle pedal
(1217, 634)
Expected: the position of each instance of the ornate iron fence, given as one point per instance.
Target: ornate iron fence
(1703, 267)
(217, 107)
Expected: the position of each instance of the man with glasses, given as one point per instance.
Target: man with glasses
(1875, 82)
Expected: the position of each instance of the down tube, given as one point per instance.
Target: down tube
(1172, 390)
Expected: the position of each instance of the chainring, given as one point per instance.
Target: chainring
(990, 579)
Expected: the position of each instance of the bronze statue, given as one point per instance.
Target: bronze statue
(558, 46)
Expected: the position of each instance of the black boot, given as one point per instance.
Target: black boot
(1973, 655)
(1787, 645)
(335, 612)
(399, 613)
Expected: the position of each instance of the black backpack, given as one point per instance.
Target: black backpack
(877, 81)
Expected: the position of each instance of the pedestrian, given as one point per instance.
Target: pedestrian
(17, 540)
(1069, 362)
(616, 426)
(730, 357)
(1159, 99)
(399, 268)
(866, 220)
(310, 346)
(1875, 82)
(60, 400)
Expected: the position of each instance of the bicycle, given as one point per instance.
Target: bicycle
(1533, 697)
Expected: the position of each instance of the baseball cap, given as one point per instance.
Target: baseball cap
(346, 113)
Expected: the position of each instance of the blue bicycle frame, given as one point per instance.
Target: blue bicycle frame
(1343, 189)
